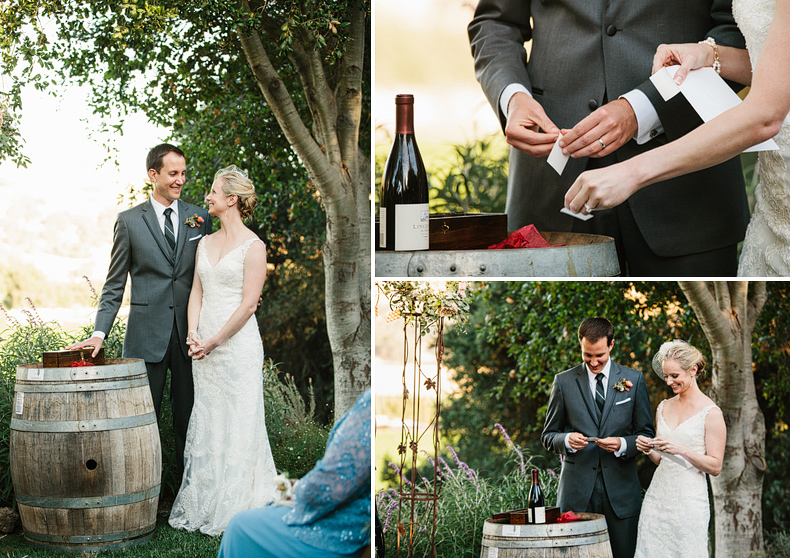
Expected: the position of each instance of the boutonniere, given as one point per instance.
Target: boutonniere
(194, 221)
(623, 385)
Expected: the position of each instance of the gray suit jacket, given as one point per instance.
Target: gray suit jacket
(161, 279)
(582, 52)
(625, 414)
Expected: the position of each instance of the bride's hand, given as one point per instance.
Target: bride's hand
(689, 56)
(669, 446)
(601, 189)
(643, 444)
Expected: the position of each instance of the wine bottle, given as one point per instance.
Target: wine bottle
(403, 213)
(536, 504)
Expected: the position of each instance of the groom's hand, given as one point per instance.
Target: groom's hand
(525, 120)
(613, 124)
(95, 342)
(611, 444)
(576, 441)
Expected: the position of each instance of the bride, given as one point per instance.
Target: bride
(690, 436)
(229, 465)
(763, 114)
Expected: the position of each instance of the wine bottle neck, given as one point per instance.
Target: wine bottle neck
(404, 118)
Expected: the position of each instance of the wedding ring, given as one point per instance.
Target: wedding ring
(603, 145)
(587, 208)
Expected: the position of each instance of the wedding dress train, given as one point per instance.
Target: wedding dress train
(229, 465)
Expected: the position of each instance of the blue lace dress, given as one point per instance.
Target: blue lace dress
(331, 514)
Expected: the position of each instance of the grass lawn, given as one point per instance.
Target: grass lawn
(167, 542)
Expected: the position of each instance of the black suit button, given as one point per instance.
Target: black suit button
(171, 306)
(593, 104)
(611, 30)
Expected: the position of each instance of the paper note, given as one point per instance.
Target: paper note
(510, 530)
(556, 158)
(493, 552)
(20, 402)
(581, 216)
(676, 458)
(706, 92)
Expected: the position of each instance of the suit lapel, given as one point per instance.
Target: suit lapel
(584, 388)
(182, 228)
(611, 393)
(149, 216)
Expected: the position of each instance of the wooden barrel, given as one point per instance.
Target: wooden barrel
(587, 538)
(85, 456)
(584, 255)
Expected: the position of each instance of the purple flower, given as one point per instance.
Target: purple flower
(522, 464)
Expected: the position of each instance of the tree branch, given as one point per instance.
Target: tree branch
(325, 176)
(348, 93)
(756, 302)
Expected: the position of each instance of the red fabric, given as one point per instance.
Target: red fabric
(525, 237)
(81, 363)
(567, 517)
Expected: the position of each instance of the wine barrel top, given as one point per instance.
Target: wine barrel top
(112, 368)
(590, 529)
(583, 255)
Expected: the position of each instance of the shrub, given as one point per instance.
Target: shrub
(297, 440)
(466, 501)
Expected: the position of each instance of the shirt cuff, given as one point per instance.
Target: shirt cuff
(100, 334)
(649, 125)
(623, 448)
(567, 445)
(507, 94)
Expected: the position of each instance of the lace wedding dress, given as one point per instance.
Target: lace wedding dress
(766, 250)
(675, 512)
(229, 465)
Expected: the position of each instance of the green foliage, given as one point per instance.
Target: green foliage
(475, 180)
(166, 543)
(777, 545)
(296, 439)
(466, 501)
(521, 334)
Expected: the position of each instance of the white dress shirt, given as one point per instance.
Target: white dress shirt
(160, 216)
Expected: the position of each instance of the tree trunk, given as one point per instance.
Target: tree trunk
(342, 176)
(727, 315)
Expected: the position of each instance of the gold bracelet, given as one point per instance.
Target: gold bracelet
(711, 42)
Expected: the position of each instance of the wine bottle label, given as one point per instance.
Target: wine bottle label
(540, 514)
(530, 516)
(411, 226)
(382, 227)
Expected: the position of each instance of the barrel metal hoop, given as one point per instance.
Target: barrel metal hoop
(93, 548)
(77, 373)
(84, 503)
(83, 539)
(95, 425)
(82, 386)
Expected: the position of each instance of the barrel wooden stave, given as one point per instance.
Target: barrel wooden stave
(588, 538)
(94, 486)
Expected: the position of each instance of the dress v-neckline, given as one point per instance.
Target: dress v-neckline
(661, 412)
(219, 261)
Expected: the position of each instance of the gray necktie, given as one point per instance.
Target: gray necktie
(169, 233)
(600, 398)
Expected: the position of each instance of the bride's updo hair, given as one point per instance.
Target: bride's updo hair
(685, 355)
(235, 181)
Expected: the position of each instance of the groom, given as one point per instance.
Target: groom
(587, 71)
(595, 412)
(154, 243)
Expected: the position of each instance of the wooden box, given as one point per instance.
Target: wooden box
(459, 231)
(65, 358)
(521, 517)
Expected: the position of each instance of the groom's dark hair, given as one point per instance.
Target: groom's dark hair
(595, 328)
(155, 156)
